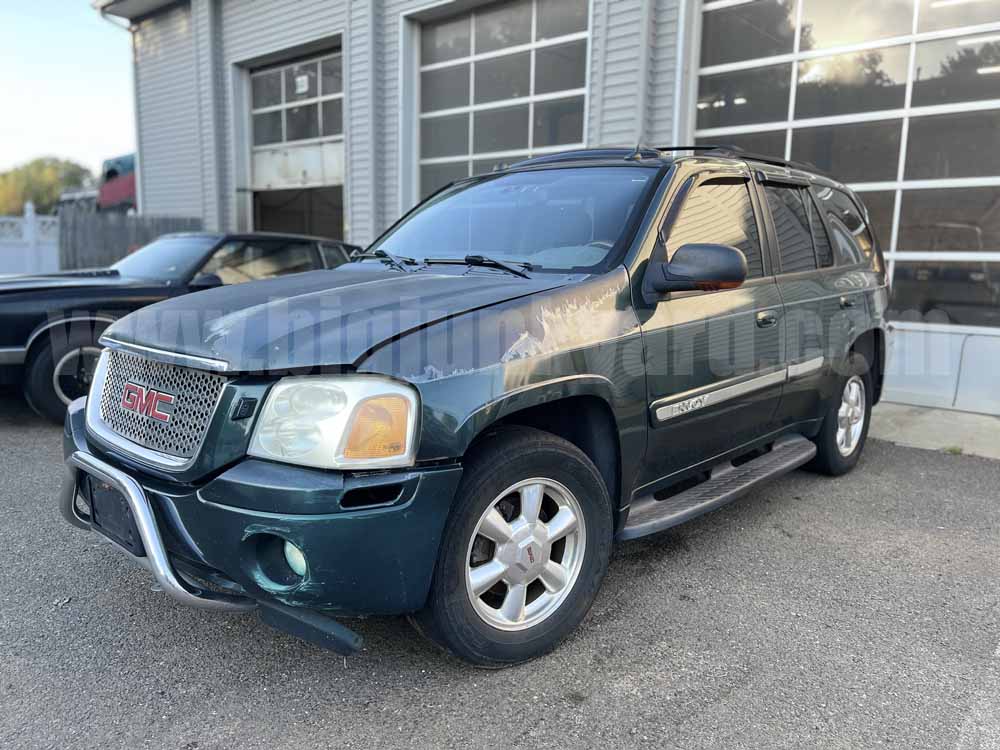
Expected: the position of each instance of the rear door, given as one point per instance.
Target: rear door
(712, 358)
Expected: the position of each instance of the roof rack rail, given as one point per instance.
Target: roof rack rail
(739, 153)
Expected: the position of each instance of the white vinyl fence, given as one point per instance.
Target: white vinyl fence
(29, 243)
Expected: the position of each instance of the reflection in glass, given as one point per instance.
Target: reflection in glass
(950, 219)
(744, 32)
(561, 17)
(503, 77)
(503, 25)
(561, 67)
(743, 97)
(938, 14)
(502, 129)
(333, 117)
(958, 145)
(857, 82)
(880, 205)
(301, 122)
(444, 88)
(957, 70)
(266, 89)
(965, 294)
(859, 152)
(445, 40)
(434, 176)
(769, 143)
(332, 75)
(267, 128)
(558, 121)
(444, 136)
(830, 23)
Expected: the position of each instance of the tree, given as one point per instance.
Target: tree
(40, 181)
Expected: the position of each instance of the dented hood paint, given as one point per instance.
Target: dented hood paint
(318, 319)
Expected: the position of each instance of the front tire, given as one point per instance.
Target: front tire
(845, 426)
(59, 370)
(524, 551)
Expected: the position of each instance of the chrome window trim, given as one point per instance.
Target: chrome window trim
(167, 357)
(112, 441)
(14, 355)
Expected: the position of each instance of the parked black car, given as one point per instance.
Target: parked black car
(586, 347)
(50, 324)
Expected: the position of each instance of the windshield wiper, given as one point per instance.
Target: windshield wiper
(399, 262)
(485, 262)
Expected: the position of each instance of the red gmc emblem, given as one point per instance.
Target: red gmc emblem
(146, 401)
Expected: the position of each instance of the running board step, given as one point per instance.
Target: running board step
(726, 483)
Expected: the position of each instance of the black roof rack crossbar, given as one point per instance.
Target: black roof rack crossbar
(739, 153)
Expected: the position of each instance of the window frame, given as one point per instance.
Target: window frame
(283, 106)
(470, 157)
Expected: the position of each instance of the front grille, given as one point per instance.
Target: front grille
(196, 394)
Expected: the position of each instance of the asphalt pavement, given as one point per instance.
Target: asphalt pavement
(852, 613)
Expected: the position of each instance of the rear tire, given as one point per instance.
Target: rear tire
(845, 426)
(508, 588)
(59, 369)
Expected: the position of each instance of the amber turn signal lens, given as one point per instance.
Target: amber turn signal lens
(378, 429)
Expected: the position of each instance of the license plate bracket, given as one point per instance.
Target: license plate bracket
(111, 515)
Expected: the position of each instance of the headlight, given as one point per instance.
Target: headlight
(338, 422)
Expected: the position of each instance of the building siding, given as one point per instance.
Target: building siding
(168, 112)
(192, 57)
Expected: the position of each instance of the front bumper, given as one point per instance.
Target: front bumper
(377, 559)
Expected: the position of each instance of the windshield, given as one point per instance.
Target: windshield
(555, 219)
(166, 259)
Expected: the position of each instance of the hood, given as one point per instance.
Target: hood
(316, 319)
(63, 280)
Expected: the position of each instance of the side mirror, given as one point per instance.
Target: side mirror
(206, 281)
(699, 267)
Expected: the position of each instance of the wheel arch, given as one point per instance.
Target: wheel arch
(871, 344)
(67, 325)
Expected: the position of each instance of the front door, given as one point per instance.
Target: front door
(713, 359)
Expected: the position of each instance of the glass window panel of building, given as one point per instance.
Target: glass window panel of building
(837, 84)
(298, 102)
(500, 84)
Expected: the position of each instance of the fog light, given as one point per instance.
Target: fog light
(295, 559)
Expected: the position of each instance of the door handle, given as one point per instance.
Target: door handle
(846, 302)
(767, 319)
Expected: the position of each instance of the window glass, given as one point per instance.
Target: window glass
(719, 212)
(332, 75)
(556, 219)
(267, 128)
(169, 258)
(265, 89)
(444, 88)
(503, 25)
(941, 14)
(852, 242)
(301, 82)
(858, 82)
(333, 117)
(965, 294)
(958, 145)
(559, 121)
(857, 152)
(444, 136)
(744, 97)
(821, 240)
(957, 70)
(501, 129)
(434, 176)
(948, 219)
(769, 143)
(506, 77)
(791, 225)
(826, 23)
(301, 122)
(561, 67)
(747, 31)
(445, 40)
(561, 17)
(236, 262)
(333, 255)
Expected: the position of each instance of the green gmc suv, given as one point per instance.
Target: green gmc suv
(531, 365)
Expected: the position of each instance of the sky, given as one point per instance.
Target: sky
(65, 84)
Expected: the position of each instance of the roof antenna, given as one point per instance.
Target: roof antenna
(636, 155)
